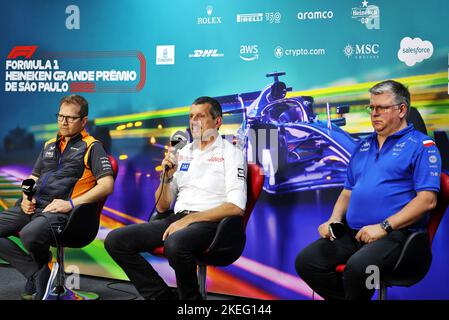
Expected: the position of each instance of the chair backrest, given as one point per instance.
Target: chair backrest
(254, 183)
(82, 226)
(415, 118)
(442, 203)
(442, 142)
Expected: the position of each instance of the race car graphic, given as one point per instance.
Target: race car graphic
(297, 151)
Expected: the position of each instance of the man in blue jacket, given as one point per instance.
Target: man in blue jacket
(392, 182)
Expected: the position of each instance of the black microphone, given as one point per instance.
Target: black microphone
(29, 188)
(178, 141)
(338, 230)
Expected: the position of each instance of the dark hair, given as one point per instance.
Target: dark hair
(79, 101)
(215, 107)
(399, 91)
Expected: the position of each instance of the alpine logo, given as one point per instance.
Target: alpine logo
(207, 53)
(365, 147)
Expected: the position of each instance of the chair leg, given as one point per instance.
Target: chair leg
(382, 292)
(56, 287)
(202, 273)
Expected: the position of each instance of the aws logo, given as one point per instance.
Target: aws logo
(249, 52)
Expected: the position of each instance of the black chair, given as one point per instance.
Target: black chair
(80, 230)
(230, 237)
(442, 142)
(415, 258)
(414, 117)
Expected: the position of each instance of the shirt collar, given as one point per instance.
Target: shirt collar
(218, 143)
(398, 134)
(77, 137)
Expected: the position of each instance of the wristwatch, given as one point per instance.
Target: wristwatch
(386, 226)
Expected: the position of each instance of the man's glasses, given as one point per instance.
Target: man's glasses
(69, 119)
(380, 109)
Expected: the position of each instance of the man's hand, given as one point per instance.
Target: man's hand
(323, 230)
(370, 233)
(58, 205)
(28, 206)
(171, 161)
(176, 226)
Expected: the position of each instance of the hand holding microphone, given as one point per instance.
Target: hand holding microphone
(178, 140)
(28, 204)
(170, 164)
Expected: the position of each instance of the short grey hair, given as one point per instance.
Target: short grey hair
(399, 91)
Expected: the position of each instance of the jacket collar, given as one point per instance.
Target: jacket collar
(398, 134)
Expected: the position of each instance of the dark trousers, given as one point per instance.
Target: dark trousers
(316, 264)
(35, 234)
(125, 245)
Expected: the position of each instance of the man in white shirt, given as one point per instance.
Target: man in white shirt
(208, 181)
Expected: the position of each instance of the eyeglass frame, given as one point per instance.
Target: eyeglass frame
(69, 119)
(370, 109)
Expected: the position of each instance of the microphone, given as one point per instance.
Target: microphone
(178, 141)
(29, 188)
(338, 230)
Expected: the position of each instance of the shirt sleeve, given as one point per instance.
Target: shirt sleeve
(38, 165)
(427, 169)
(235, 177)
(99, 162)
(174, 189)
(349, 181)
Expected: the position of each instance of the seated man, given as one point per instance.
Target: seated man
(392, 182)
(71, 169)
(208, 185)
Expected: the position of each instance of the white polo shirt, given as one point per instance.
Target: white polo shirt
(208, 178)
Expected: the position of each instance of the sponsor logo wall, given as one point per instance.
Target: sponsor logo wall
(141, 70)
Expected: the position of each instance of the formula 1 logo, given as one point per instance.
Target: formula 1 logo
(22, 51)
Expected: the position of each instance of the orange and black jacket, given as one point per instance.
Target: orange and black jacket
(66, 171)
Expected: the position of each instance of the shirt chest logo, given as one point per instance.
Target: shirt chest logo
(397, 149)
(365, 147)
(184, 167)
(49, 154)
(215, 159)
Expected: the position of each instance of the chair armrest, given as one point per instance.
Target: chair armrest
(228, 243)
(414, 261)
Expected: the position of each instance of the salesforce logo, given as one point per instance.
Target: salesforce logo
(413, 51)
(315, 15)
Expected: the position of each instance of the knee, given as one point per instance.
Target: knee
(173, 249)
(355, 272)
(115, 241)
(302, 263)
(30, 239)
